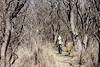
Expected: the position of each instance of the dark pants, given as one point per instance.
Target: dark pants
(59, 48)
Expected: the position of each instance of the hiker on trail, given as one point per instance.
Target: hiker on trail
(59, 44)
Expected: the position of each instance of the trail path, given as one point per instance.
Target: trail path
(60, 59)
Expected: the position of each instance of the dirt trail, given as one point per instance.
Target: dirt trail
(59, 59)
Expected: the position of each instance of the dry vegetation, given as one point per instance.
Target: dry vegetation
(49, 33)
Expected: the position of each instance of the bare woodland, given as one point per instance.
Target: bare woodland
(49, 33)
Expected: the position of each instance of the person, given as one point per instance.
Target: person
(59, 45)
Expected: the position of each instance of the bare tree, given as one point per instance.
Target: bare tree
(33, 27)
(8, 14)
